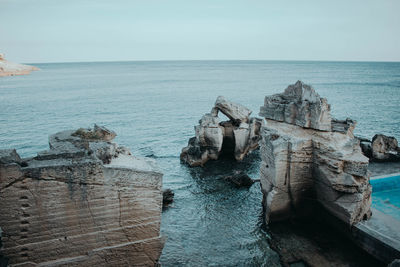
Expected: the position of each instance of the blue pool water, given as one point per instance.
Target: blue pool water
(386, 195)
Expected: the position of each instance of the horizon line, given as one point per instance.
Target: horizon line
(191, 60)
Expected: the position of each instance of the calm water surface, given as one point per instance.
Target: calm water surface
(153, 107)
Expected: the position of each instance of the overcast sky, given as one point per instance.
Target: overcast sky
(112, 30)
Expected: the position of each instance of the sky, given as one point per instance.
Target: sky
(84, 30)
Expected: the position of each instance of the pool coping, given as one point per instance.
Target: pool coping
(384, 176)
(379, 235)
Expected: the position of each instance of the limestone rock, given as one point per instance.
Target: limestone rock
(300, 105)
(70, 144)
(304, 162)
(8, 68)
(236, 137)
(233, 111)
(9, 156)
(97, 133)
(344, 126)
(68, 207)
(385, 148)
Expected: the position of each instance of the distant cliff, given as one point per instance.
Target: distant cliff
(8, 68)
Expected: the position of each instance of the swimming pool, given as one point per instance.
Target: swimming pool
(386, 194)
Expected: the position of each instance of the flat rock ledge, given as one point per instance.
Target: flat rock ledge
(8, 68)
(309, 157)
(84, 202)
(236, 137)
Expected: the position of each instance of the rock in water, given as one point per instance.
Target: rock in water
(84, 202)
(168, 197)
(237, 137)
(240, 179)
(307, 157)
(233, 111)
(300, 105)
(385, 148)
(8, 68)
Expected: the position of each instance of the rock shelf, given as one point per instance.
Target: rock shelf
(84, 202)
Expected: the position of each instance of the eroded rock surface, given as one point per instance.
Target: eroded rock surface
(385, 148)
(309, 157)
(238, 136)
(300, 105)
(84, 202)
(8, 68)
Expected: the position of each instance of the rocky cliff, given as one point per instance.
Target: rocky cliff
(236, 137)
(308, 158)
(8, 68)
(84, 202)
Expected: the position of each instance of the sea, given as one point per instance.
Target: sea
(153, 106)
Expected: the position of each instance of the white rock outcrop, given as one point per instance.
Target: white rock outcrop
(300, 105)
(308, 158)
(8, 68)
(84, 202)
(238, 136)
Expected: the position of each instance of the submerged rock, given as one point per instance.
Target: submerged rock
(8, 68)
(309, 158)
(84, 202)
(236, 137)
(240, 179)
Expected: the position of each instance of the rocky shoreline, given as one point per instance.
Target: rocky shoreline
(88, 201)
(313, 170)
(8, 68)
(84, 202)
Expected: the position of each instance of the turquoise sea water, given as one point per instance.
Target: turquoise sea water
(153, 107)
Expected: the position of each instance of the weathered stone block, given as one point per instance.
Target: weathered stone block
(238, 136)
(69, 208)
(305, 160)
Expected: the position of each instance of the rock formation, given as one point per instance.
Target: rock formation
(308, 158)
(84, 202)
(382, 148)
(8, 68)
(237, 137)
(385, 148)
